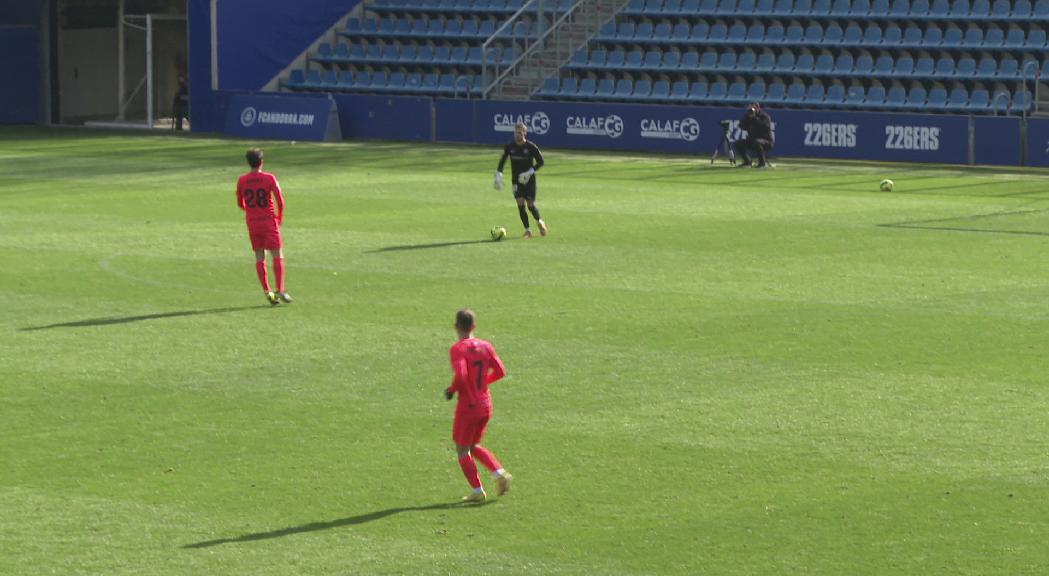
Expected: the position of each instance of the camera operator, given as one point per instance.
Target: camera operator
(758, 125)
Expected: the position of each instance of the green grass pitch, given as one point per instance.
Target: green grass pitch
(711, 371)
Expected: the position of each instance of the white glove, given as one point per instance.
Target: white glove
(525, 176)
(498, 184)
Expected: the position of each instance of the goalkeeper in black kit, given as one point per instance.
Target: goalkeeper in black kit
(525, 159)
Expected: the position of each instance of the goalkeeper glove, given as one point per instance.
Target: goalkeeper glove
(498, 184)
(525, 176)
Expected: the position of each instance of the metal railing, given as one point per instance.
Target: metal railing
(1033, 104)
(1008, 102)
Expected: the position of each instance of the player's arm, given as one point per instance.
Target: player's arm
(459, 375)
(278, 197)
(502, 159)
(537, 157)
(240, 199)
(496, 370)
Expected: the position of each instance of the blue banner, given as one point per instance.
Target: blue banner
(997, 140)
(385, 117)
(283, 117)
(1037, 142)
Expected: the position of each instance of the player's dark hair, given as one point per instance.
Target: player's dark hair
(465, 319)
(254, 157)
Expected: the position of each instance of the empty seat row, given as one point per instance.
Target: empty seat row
(999, 10)
(382, 81)
(877, 97)
(826, 63)
(438, 28)
(410, 54)
(451, 6)
(795, 33)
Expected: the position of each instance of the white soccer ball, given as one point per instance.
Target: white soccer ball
(887, 185)
(498, 233)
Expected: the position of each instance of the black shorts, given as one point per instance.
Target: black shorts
(526, 191)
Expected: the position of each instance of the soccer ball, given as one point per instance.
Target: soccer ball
(887, 185)
(498, 233)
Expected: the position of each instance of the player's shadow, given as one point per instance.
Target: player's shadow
(105, 321)
(317, 526)
(434, 245)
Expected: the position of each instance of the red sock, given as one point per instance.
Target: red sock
(278, 271)
(260, 269)
(487, 458)
(466, 462)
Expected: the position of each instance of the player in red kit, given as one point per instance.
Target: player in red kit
(475, 365)
(260, 197)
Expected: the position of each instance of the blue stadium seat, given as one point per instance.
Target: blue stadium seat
(795, 93)
(921, 9)
(959, 9)
(892, 36)
(916, 97)
(737, 91)
(616, 59)
(587, 88)
(486, 29)
(783, 7)
(965, 67)
(980, 10)
(469, 29)
(872, 34)
(708, 61)
(813, 33)
(672, 60)
(1014, 38)
(429, 83)
(824, 63)
(1022, 100)
(425, 54)
(875, 97)
(832, 34)
(442, 54)
(979, 100)
(880, 8)
(747, 61)
(726, 7)
(397, 82)
(569, 87)
(953, 37)
(643, 32)
(835, 95)
(958, 99)
(937, 98)
(864, 65)
(973, 37)
(672, 7)
(896, 97)
(901, 8)
(689, 7)
(805, 63)
(353, 27)
(853, 35)
(843, 64)
(413, 82)
(884, 65)
(453, 28)
(727, 61)
(296, 79)
(912, 37)
(746, 7)
(765, 8)
(1040, 9)
(840, 8)
(718, 32)
(718, 91)
(756, 33)
(987, 67)
(1008, 69)
(1019, 10)
(855, 96)
(634, 59)
(373, 52)
(933, 36)
(904, 65)
(775, 92)
(795, 33)
(690, 61)
(774, 33)
(993, 37)
(660, 90)
(342, 52)
(785, 62)
(642, 90)
(945, 66)
(737, 33)
(700, 32)
(815, 93)
(708, 7)
(578, 60)
(605, 88)
(679, 90)
(598, 58)
(379, 81)
(661, 33)
(653, 60)
(755, 92)
(924, 66)
(820, 7)
(551, 86)
(680, 32)
(860, 9)
(1036, 39)
(698, 91)
(766, 61)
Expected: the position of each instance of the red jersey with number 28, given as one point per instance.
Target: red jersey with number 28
(475, 365)
(259, 196)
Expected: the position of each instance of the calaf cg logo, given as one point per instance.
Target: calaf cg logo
(610, 126)
(686, 129)
(538, 123)
(248, 116)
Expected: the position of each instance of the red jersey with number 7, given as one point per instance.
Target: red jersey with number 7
(259, 196)
(475, 365)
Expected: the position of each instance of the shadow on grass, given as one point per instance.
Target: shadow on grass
(424, 246)
(317, 526)
(127, 319)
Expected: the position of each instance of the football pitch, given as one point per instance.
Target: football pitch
(710, 370)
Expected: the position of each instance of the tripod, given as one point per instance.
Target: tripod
(725, 145)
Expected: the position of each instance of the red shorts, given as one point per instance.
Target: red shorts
(469, 426)
(264, 235)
